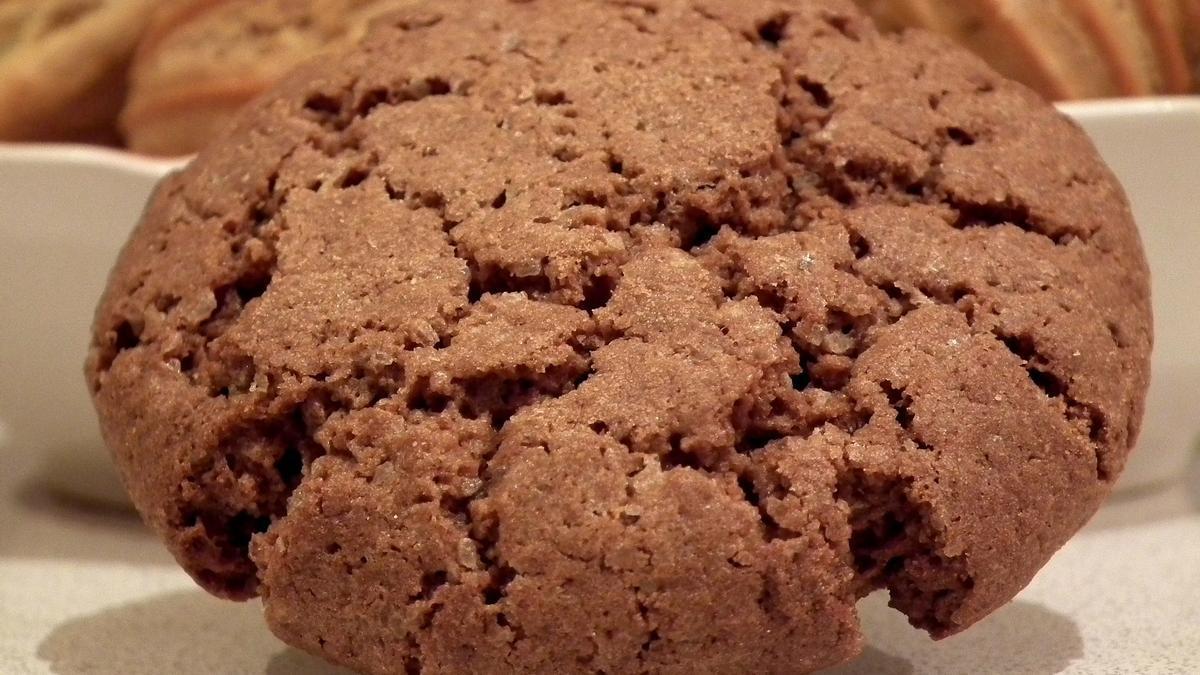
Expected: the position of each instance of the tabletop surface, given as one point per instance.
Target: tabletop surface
(88, 590)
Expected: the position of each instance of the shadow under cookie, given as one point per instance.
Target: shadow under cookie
(191, 632)
(1022, 637)
(47, 523)
(180, 632)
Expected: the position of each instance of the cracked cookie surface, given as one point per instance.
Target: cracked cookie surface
(626, 336)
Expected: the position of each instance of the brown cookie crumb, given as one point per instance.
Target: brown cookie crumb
(614, 336)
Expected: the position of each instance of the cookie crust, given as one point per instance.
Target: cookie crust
(626, 336)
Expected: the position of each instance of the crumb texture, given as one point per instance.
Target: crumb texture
(622, 336)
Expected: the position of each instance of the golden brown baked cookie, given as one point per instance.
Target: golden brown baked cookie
(580, 336)
(1145, 59)
(1065, 49)
(204, 59)
(62, 66)
(1164, 20)
(1191, 33)
(1038, 43)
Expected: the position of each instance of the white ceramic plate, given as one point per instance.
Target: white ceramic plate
(1153, 145)
(65, 211)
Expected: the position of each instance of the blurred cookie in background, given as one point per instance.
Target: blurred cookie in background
(202, 59)
(1067, 49)
(1146, 57)
(63, 65)
(1038, 43)
(1191, 32)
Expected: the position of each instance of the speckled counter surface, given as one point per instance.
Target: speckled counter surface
(84, 590)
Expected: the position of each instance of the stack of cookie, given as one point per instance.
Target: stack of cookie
(160, 76)
(63, 66)
(1068, 49)
(163, 76)
(202, 59)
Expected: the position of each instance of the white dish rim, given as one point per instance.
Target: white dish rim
(1125, 107)
(89, 156)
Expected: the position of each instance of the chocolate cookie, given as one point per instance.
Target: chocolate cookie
(626, 336)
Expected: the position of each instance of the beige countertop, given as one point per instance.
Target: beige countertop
(88, 590)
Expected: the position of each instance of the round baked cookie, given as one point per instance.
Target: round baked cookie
(1190, 29)
(612, 336)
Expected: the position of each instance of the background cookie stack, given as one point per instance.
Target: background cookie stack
(160, 75)
(201, 60)
(1068, 49)
(164, 76)
(63, 65)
